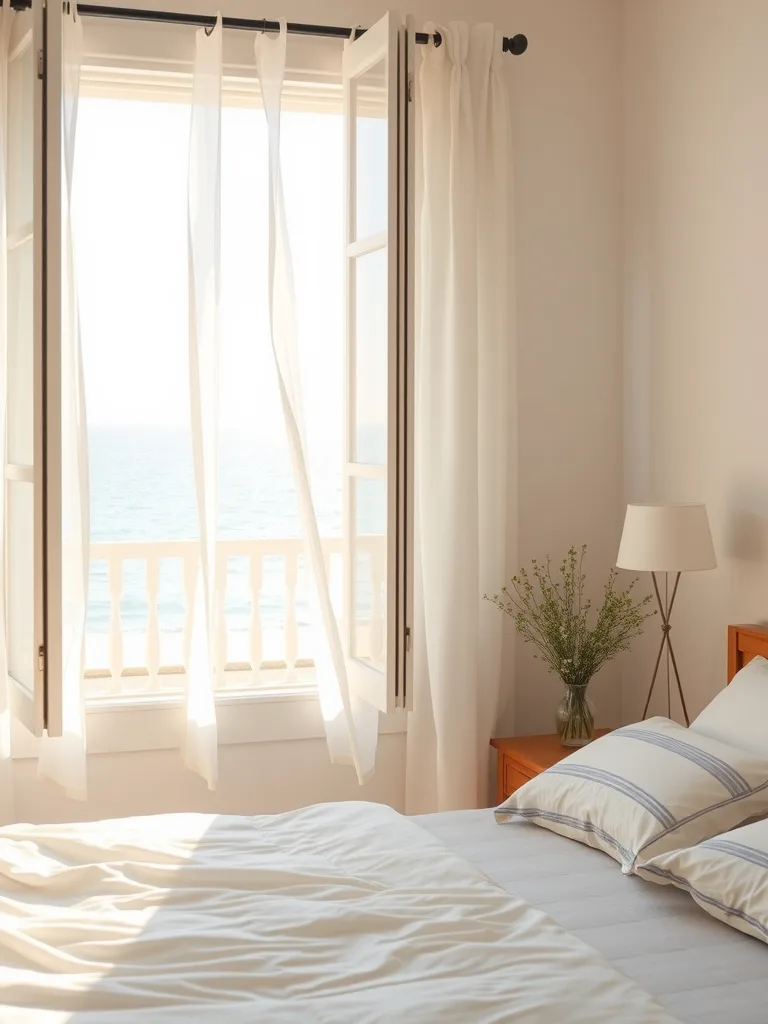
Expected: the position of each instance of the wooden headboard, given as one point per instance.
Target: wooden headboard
(744, 644)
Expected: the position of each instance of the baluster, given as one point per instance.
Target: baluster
(190, 566)
(291, 628)
(255, 638)
(376, 631)
(116, 653)
(327, 556)
(153, 622)
(220, 642)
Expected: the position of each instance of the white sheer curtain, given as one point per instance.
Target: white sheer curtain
(6, 775)
(204, 242)
(351, 725)
(463, 422)
(62, 759)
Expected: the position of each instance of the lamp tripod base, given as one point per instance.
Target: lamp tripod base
(665, 611)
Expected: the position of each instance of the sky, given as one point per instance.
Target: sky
(130, 236)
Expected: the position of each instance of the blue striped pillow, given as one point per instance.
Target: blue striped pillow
(726, 875)
(644, 790)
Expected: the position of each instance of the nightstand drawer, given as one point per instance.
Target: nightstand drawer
(514, 777)
(521, 758)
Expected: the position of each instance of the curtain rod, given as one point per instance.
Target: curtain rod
(510, 44)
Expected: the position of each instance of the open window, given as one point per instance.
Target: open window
(36, 308)
(134, 96)
(23, 460)
(377, 80)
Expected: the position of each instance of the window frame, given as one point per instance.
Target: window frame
(393, 43)
(154, 719)
(31, 706)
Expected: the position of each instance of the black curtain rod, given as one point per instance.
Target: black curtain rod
(510, 44)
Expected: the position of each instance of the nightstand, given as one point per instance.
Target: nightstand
(521, 758)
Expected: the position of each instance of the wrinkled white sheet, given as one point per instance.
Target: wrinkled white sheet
(336, 913)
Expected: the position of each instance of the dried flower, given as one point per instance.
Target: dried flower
(553, 615)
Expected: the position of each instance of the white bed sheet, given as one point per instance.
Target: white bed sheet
(703, 971)
(341, 914)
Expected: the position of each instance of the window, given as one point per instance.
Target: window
(131, 187)
(129, 218)
(23, 441)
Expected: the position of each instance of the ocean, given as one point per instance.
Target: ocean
(142, 489)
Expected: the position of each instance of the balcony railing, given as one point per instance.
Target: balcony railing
(262, 633)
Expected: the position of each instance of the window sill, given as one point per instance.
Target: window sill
(271, 716)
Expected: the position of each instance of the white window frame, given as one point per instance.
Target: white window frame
(391, 43)
(30, 707)
(155, 63)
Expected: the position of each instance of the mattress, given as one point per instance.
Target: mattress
(701, 970)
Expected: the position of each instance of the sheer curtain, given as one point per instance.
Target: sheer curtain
(351, 725)
(6, 774)
(62, 759)
(204, 248)
(463, 422)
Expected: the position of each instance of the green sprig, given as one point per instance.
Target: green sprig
(553, 615)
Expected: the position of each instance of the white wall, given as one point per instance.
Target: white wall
(566, 486)
(260, 778)
(696, 259)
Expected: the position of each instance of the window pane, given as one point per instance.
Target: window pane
(369, 633)
(21, 446)
(371, 358)
(21, 576)
(369, 95)
(136, 368)
(21, 83)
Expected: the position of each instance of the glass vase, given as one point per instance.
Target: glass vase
(575, 716)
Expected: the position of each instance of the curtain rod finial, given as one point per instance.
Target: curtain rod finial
(515, 44)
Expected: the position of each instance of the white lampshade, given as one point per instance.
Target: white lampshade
(666, 538)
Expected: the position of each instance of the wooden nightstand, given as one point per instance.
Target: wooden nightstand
(521, 758)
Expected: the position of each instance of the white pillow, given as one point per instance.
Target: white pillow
(739, 714)
(643, 790)
(726, 876)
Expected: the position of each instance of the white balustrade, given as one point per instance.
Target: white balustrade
(220, 621)
(153, 620)
(115, 570)
(377, 632)
(255, 645)
(291, 626)
(146, 665)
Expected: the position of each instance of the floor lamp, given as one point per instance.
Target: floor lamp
(668, 539)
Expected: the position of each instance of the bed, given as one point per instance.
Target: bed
(350, 913)
(335, 913)
(699, 969)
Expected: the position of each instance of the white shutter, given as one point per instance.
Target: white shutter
(24, 556)
(406, 351)
(33, 380)
(54, 311)
(376, 499)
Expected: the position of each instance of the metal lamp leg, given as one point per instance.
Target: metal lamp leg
(665, 611)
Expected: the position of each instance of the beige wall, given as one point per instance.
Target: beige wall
(566, 471)
(567, 110)
(260, 778)
(696, 301)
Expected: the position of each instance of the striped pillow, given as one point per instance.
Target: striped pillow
(643, 790)
(725, 875)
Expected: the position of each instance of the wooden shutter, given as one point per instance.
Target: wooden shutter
(378, 454)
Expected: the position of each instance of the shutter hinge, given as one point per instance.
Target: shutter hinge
(407, 638)
(40, 64)
(41, 658)
(410, 88)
